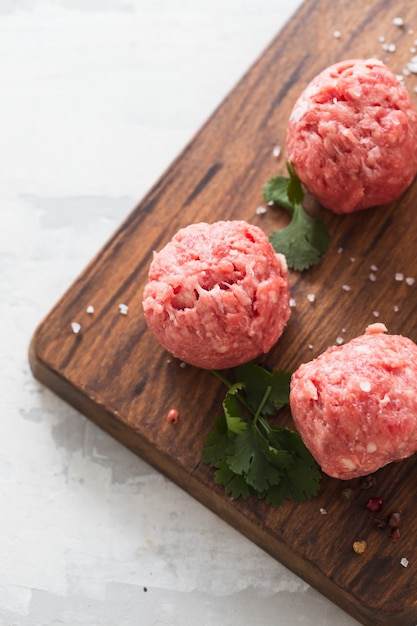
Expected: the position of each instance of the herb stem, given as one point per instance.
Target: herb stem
(222, 378)
(250, 457)
(261, 405)
(229, 385)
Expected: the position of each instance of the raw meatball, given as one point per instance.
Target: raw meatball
(352, 136)
(218, 294)
(355, 406)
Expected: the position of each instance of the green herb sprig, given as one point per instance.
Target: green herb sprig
(305, 238)
(251, 457)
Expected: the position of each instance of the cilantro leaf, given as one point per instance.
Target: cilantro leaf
(284, 191)
(247, 456)
(280, 392)
(278, 457)
(235, 485)
(276, 191)
(305, 238)
(302, 242)
(232, 410)
(303, 476)
(274, 495)
(216, 443)
(239, 456)
(302, 485)
(295, 191)
(256, 379)
(250, 456)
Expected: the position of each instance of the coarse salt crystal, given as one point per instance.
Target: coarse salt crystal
(374, 268)
(337, 34)
(346, 287)
(396, 308)
(365, 385)
(398, 21)
(406, 72)
(410, 281)
(375, 313)
(276, 151)
(90, 309)
(381, 38)
(352, 259)
(404, 562)
(323, 511)
(413, 50)
(310, 346)
(261, 210)
(123, 309)
(412, 67)
(183, 364)
(399, 277)
(311, 297)
(340, 250)
(372, 277)
(339, 341)
(76, 327)
(293, 303)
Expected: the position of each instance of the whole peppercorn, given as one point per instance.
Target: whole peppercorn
(368, 482)
(359, 546)
(380, 523)
(375, 504)
(348, 494)
(394, 519)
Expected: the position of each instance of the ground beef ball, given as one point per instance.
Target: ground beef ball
(355, 406)
(352, 136)
(218, 294)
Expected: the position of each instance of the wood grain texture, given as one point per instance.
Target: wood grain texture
(116, 374)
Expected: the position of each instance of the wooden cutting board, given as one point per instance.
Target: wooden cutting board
(115, 373)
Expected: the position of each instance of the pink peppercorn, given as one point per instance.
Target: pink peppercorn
(375, 504)
(172, 416)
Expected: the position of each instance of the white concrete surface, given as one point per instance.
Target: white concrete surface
(96, 98)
